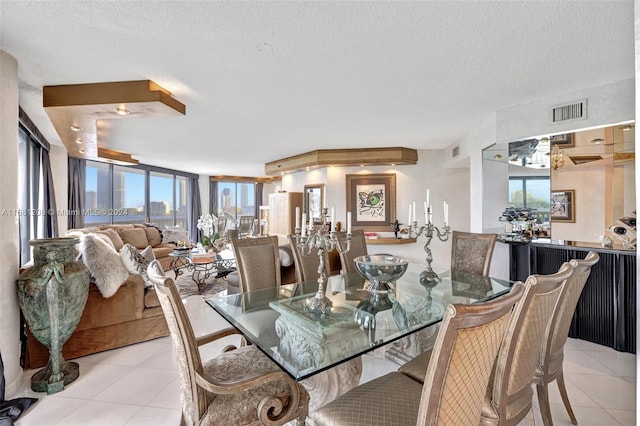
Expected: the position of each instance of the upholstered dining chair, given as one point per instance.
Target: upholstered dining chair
(549, 366)
(307, 266)
(222, 226)
(257, 263)
(456, 379)
(358, 248)
(241, 386)
(245, 226)
(509, 394)
(471, 252)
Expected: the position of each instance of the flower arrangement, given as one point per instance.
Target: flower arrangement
(208, 225)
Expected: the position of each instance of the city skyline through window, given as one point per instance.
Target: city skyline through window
(119, 194)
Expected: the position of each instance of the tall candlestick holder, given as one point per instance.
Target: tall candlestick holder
(429, 230)
(324, 240)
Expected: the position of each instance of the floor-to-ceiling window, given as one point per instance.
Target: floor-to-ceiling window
(234, 199)
(141, 194)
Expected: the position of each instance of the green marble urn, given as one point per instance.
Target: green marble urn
(52, 295)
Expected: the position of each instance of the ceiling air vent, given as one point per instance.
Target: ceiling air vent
(576, 110)
(455, 152)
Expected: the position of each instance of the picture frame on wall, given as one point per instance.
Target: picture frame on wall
(314, 200)
(563, 206)
(564, 140)
(371, 199)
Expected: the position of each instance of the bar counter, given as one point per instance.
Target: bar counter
(606, 311)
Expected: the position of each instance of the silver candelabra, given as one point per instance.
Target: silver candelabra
(428, 275)
(324, 240)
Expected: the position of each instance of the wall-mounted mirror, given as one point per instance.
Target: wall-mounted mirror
(314, 197)
(581, 184)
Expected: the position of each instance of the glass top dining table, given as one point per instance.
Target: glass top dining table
(304, 343)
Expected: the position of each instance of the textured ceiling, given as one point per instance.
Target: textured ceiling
(267, 80)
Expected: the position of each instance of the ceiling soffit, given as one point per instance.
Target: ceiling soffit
(75, 109)
(343, 157)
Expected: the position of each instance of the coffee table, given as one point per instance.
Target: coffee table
(202, 267)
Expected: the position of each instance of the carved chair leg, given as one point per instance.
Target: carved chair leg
(565, 397)
(543, 401)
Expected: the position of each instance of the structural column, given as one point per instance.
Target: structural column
(9, 240)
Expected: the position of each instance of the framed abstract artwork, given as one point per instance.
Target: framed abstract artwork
(371, 199)
(563, 205)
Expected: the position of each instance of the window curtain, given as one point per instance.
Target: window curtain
(50, 220)
(36, 189)
(258, 194)
(195, 209)
(76, 187)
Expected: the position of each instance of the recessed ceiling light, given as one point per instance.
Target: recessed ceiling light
(627, 127)
(597, 141)
(78, 141)
(81, 151)
(122, 111)
(75, 128)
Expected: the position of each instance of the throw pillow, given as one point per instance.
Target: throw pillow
(114, 237)
(153, 235)
(137, 237)
(104, 264)
(136, 263)
(148, 254)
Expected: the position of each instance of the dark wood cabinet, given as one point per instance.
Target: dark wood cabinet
(606, 311)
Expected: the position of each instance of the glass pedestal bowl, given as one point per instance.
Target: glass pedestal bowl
(380, 270)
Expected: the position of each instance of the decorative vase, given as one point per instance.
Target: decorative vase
(52, 295)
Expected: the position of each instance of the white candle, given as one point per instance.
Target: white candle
(428, 197)
(297, 217)
(333, 218)
(426, 210)
(303, 232)
(348, 222)
(414, 211)
(409, 218)
(446, 213)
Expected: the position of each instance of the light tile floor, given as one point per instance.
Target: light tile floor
(138, 385)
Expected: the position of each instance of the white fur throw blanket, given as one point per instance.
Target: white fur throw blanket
(104, 264)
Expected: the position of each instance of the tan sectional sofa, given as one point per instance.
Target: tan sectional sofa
(130, 316)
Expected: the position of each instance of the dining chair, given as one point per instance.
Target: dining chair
(471, 252)
(549, 366)
(241, 386)
(307, 267)
(358, 248)
(456, 379)
(509, 394)
(257, 263)
(222, 226)
(245, 226)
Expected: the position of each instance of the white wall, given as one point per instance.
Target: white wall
(607, 104)
(412, 181)
(9, 242)
(203, 185)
